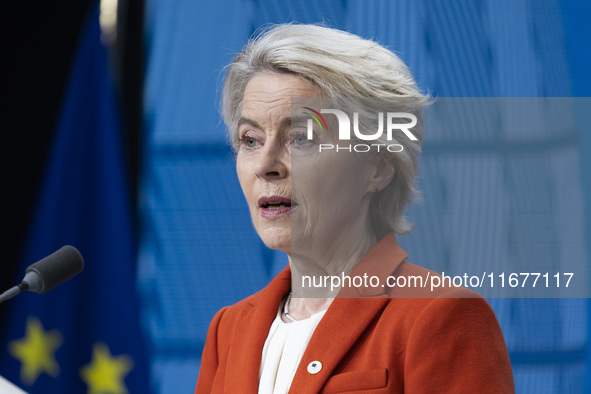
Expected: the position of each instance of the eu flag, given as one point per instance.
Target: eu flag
(83, 336)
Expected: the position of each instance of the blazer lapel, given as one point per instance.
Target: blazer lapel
(342, 325)
(250, 333)
(348, 317)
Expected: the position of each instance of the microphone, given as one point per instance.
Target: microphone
(48, 272)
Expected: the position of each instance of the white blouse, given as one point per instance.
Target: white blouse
(283, 350)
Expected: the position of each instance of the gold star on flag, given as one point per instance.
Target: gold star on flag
(36, 351)
(105, 373)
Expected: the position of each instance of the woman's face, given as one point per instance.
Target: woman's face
(298, 197)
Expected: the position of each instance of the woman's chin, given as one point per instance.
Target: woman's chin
(278, 239)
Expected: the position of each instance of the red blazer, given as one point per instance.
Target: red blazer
(383, 342)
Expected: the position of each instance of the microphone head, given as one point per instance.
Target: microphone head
(54, 269)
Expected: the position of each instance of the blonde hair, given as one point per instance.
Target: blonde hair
(340, 64)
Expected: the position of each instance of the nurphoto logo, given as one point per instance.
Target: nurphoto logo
(393, 124)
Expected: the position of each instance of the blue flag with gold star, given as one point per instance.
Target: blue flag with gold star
(83, 336)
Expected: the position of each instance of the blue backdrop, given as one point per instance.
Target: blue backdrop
(199, 252)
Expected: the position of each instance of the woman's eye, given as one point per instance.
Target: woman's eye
(300, 139)
(249, 142)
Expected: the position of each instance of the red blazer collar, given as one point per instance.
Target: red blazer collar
(382, 260)
(255, 321)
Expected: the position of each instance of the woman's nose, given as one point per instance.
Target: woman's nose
(272, 162)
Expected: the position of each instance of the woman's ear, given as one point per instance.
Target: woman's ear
(383, 173)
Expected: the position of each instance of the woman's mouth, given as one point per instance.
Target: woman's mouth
(275, 206)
